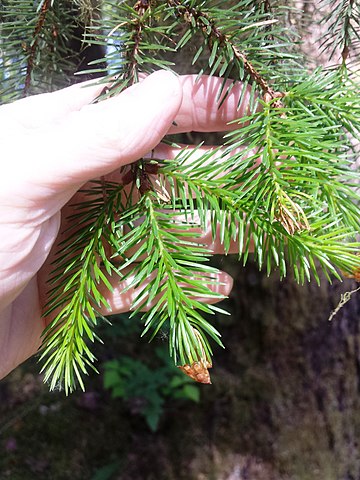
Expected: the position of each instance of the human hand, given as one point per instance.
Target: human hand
(51, 145)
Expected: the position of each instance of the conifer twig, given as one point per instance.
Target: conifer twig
(216, 35)
(344, 298)
(267, 9)
(38, 28)
(347, 26)
(342, 34)
(140, 7)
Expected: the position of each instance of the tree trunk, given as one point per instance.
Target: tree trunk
(285, 396)
(294, 377)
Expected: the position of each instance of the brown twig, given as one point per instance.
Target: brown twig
(215, 34)
(129, 76)
(267, 9)
(141, 6)
(347, 25)
(267, 6)
(32, 50)
(344, 298)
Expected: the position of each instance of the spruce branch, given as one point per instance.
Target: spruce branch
(140, 8)
(297, 206)
(37, 51)
(169, 257)
(89, 10)
(244, 202)
(80, 270)
(217, 40)
(265, 6)
(281, 185)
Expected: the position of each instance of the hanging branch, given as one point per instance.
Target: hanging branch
(74, 298)
(280, 207)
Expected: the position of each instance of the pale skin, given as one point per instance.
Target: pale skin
(51, 145)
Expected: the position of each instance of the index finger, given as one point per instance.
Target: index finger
(199, 111)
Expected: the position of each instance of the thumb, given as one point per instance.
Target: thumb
(101, 137)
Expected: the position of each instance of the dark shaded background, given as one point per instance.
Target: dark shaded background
(284, 403)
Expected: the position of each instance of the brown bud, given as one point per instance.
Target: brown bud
(145, 184)
(198, 371)
(291, 216)
(151, 168)
(355, 274)
(267, 97)
(128, 177)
